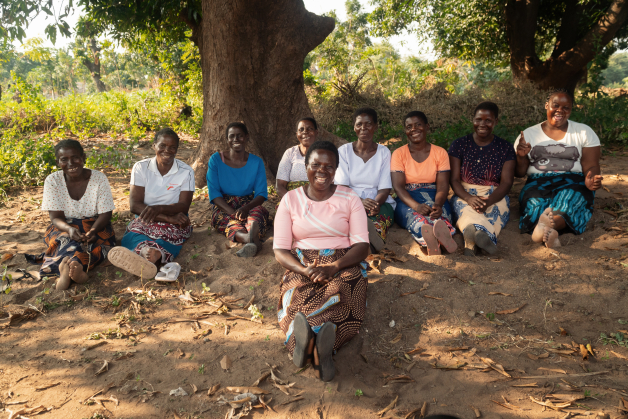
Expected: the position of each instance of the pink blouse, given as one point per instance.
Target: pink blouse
(337, 223)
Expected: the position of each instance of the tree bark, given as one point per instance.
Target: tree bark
(252, 55)
(94, 66)
(568, 62)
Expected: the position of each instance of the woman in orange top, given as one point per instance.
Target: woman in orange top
(420, 177)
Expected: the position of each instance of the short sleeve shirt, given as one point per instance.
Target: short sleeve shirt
(481, 165)
(96, 200)
(550, 156)
(425, 172)
(158, 189)
(292, 166)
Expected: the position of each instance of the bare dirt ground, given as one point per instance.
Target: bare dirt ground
(466, 336)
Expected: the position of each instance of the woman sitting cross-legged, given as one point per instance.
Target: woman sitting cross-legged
(365, 168)
(291, 171)
(321, 238)
(482, 173)
(162, 189)
(80, 204)
(420, 176)
(562, 161)
(236, 181)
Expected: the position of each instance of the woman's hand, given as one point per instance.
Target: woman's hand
(436, 211)
(371, 206)
(477, 203)
(523, 148)
(320, 274)
(180, 219)
(149, 213)
(242, 213)
(593, 182)
(423, 209)
(75, 234)
(91, 236)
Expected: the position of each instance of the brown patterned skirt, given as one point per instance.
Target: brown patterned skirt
(341, 301)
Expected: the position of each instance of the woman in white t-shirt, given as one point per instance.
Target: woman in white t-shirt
(562, 161)
(80, 204)
(364, 166)
(162, 189)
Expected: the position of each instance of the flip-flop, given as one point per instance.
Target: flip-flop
(254, 235)
(441, 231)
(169, 272)
(377, 243)
(248, 251)
(302, 336)
(325, 341)
(433, 248)
(485, 243)
(131, 262)
(469, 241)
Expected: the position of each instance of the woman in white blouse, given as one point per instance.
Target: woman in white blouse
(291, 172)
(365, 168)
(80, 204)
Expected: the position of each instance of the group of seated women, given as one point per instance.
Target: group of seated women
(336, 205)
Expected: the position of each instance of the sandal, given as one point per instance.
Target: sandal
(169, 272)
(302, 336)
(485, 243)
(433, 247)
(441, 231)
(325, 341)
(131, 262)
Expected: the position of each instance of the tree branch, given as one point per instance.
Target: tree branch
(521, 22)
(567, 35)
(194, 26)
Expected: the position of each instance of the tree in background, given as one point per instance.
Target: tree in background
(616, 74)
(88, 49)
(551, 43)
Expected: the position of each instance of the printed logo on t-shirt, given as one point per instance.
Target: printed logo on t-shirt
(554, 157)
(171, 186)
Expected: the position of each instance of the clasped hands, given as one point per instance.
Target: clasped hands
(371, 206)
(86, 238)
(150, 214)
(434, 212)
(320, 274)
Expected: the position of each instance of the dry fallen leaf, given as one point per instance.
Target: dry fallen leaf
(6, 257)
(584, 352)
(507, 404)
(226, 363)
(525, 385)
(424, 409)
(213, 389)
(104, 368)
(387, 408)
(563, 332)
(620, 356)
(589, 349)
(499, 293)
(415, 351)
(553, 370)
(459, 348)
(408, 293)
(47, 386)
(531, 356)
(252, 390)
(396, 339)
(262, 378)
(511, 310)
(433, 298)
(476, 411)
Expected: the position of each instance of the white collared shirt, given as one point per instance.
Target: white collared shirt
(158, 189)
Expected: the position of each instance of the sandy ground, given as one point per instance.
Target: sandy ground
(449, 334)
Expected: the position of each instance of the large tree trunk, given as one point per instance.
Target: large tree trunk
(567, 64)
(94, 65)
(252, 55)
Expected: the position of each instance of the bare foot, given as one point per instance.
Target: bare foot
(546, 220)
(153, 255)
(77, 273)
(63, 283)
(550, 238)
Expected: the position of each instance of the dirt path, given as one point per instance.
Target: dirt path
(450, 346)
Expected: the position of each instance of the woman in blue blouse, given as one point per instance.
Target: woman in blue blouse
(236, 182)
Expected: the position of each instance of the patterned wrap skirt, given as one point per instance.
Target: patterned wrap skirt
(384, 219)
(565, 193)
(61, 246)
(406, 217)
(490, 221)
(228, 225)
(341, 301)
(165, 237)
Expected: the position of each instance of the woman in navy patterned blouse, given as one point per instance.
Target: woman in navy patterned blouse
(482, 173)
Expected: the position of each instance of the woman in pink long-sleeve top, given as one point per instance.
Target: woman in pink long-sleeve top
(321, 238)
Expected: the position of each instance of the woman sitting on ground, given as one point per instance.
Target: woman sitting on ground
(420, 177)
(321, 239)
(562, 161)
(80, 204)
(482, 173)
(162, 188)
(291, 172)
(236, 182)
(365, 168)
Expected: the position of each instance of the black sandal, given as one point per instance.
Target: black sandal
(325, 341)
(302, 336)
